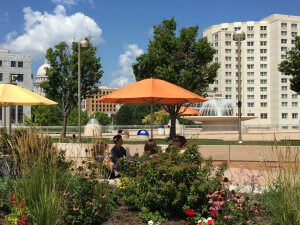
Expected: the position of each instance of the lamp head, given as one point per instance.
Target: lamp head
(239, 35)
(84, 44)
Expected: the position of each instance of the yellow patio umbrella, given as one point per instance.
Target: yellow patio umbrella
(15, 95)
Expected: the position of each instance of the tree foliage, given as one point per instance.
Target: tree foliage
(291, 66)
(46, 115)
(62, 82)
(133, 114)
(184, 60)
(73, 117)
(160, 117)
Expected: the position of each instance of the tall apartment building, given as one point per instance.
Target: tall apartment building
(265, 92)
(17, 66)
(92, 106)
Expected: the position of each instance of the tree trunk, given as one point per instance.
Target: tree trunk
(64, 128)
(173, 126)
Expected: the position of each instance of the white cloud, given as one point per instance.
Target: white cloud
(65, 2)
(125, 75)
(44, 30)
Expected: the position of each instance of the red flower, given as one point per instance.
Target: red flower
(13, 202)
(13, 195)
(22, 220)
(210, 221)
(199, 223)
(22, 204)
(190, 213)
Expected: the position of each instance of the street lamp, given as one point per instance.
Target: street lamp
(239, 36)
(13, 78)
(84, 44)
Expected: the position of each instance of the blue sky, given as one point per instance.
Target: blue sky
(121, 29)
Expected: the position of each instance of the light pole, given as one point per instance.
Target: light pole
(81, 44)
(239, 36)
(12, 80)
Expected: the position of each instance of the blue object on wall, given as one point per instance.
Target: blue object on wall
(142, 133)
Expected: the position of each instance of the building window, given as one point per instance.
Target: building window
(284, 96)
(283, 80)
(250, 59)
(250, 35)
(228, 96)
(20, 78)
(263, 27)
(250, 96)
(237, 28)
(250, 104)
(227, 81)
(263, 58)
(20, 64)
(263, 74)
(216, 44)
(227, 66)
(250, 81)
(283, 56)
(228, 89)
(264, 115)
(250, 28)
(294, 26)
(294, 104)
(284, 115)
(283, 25)
(250, 114)
(263, 66)
(284, 88)
(227, 58)
(250, 89)
(294, 115)
(283, 41)
(294, 34)
(284, 104)
(263, 89)
(263, 35)
(293, 41)
(294, 96)
(250, 51)
(263, 96)
(283, 33)
(283, 49)
(227, 74)
(263, 50)
(227, 35)
(228, 51)
(20, 114)
(263, 81)
(250, 66)
(0, 63)
(263, 43)
(250, 74)
(13, 63)
(263, 104)
(250, 43)
(1, 77)
(228, 43)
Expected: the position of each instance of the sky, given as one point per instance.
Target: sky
(120, 29)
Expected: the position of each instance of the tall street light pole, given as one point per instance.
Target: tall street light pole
(84, 44)
(239, 36)
(12, 80)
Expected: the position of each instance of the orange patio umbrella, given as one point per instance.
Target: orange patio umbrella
(152, 91)
(185, 111)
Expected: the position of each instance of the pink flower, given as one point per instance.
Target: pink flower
(75, 208)
(89, 203)
(103, 196)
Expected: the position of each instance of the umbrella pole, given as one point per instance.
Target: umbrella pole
(4, 118)
(151, 118)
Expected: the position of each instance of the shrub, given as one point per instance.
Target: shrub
(88, 200)
(6, 189)
(169, 183)
(282, 199)
(19, 211)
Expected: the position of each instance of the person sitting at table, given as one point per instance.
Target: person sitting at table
(150, 147)
(117, 152)
(178, 142)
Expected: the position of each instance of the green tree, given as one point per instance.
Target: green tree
(159, 117)
(46, 115)
(62, 83)
(184, 60)
(73, 117)
(291, 66)
(102, 118)
(133, 114)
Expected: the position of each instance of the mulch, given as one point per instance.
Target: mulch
(128, 216)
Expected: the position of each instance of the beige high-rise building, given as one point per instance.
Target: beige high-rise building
(265, 92)
(92, 106)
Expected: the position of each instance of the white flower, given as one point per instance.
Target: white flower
(150, 222)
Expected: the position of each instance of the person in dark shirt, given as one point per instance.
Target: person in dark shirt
(117, 152)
